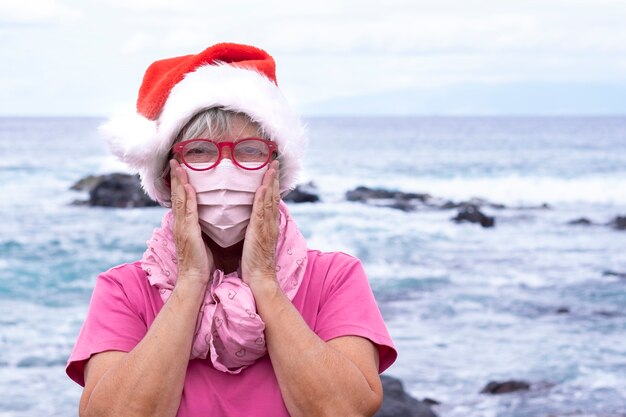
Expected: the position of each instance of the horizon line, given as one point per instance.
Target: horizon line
(358, 115)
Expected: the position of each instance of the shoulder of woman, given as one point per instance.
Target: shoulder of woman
(125, 275)
(334, 259)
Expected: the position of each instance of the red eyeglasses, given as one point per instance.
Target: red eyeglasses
(204, 154)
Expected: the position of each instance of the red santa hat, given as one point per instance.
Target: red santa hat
(236, 77)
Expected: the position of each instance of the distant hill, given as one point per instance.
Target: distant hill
(483, 99)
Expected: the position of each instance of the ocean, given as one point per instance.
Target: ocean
(533, 298)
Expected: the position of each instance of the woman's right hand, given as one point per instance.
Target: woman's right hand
(195, 260)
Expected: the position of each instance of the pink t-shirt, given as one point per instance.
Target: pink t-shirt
(335, 299)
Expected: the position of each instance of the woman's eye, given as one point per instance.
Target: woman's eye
(196, 151)
(200, 151)
(248, 150)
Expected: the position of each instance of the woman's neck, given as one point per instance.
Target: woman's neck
(226, 259)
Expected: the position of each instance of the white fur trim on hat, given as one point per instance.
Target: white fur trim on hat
(144, 144)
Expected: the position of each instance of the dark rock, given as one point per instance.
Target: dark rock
(114, 190)
(562, 310)
(471, 213)
(120, 190)
(450, 205)
(621, 275)
(481, 202)
(583, 221)
(387, 198)
(87, 183)
(495, 387)
(303, 193)
(475, 202)
(409, 201)
(397, 403)
(619, 223)
(402, 205)
(605, 313)
(364, 194)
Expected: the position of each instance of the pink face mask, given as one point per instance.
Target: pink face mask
(225, 195)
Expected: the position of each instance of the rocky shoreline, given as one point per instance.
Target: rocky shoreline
(124, 191)
(398, 403)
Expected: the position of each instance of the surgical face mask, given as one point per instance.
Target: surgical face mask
(225, 195)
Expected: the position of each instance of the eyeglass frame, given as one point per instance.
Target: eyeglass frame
(177, 149)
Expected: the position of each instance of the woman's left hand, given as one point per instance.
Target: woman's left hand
(258, 260)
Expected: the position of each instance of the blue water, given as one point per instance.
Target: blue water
(465, 305)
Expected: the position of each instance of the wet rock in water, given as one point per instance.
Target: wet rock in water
(402, 205)
(397, 403)
(562, 310)
(448, 205)
(120, 190)
(387, 198)
(410, 201)
(621, 275)
(114, 190)
(481, 202)
(471, 213)
(504, 387)
(475, 202)
(582, 221)
(364, 194)
(619, 223)
(303, 193)
(87, 183)
(608, 314)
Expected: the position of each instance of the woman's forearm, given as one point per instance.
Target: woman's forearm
(315, 379)
(148, 381)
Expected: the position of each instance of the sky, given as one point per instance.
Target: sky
(334, 57)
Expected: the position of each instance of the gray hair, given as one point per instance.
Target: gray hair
(215, 122)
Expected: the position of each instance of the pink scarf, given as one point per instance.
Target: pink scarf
(228, 330)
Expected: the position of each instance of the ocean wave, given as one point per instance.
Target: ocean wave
(509, 190)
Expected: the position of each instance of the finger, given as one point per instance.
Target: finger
(258, 206)
(191, 205)
(268, 198)
(268, 176)
(273, 195)
(276, 188)
(178, 190)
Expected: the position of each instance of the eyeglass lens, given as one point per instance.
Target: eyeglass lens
(252, 153)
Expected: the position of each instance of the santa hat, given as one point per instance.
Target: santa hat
(235, 77)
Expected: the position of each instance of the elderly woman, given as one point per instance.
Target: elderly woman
(228, 313)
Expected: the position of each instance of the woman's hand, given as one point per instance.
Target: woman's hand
(258, 260)
(195, 260)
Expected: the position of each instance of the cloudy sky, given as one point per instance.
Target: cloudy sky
(87, 57)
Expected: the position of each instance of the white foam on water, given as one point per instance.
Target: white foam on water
(110, 164)
(35, 342)
(509, 190)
